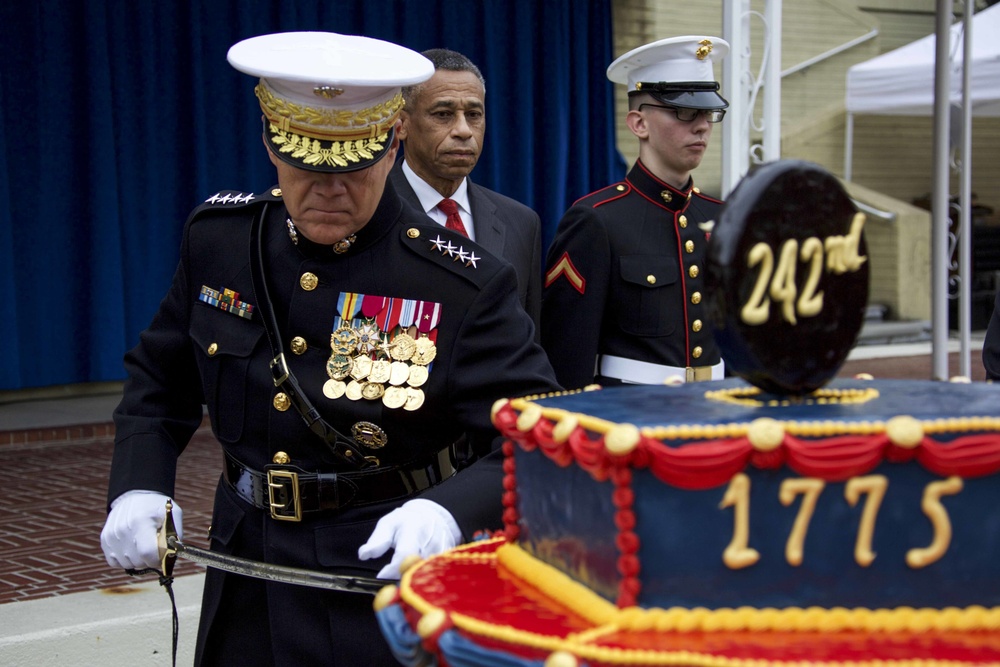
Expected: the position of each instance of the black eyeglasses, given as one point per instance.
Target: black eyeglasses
(687, 114)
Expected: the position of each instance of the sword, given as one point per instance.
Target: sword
(171, 548)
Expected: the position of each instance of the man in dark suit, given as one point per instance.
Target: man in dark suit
(444, 121)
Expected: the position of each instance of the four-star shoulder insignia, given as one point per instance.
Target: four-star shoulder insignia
(235, 198)
(458, 253)
(564, 267)
(222, 198)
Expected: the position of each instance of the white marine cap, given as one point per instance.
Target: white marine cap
(330, 101)
(676, 71)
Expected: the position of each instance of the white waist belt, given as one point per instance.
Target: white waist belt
(633, 371)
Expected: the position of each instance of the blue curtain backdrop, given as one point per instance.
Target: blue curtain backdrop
(118, 117)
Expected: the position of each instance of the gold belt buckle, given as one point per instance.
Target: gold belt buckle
(699, 373)
(287, 481)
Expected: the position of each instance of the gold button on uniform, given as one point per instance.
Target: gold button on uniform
(689, 246)
(696, 190)
(282, 402)
(696, 326)
(651, 279)
(212, 349)
(696, 352)
(308, 281)
(682, 221)
(696, 298)
(693, 271)
(620, 188)
(276, 192)
(299, 345)
(281, 458)
(413, 233)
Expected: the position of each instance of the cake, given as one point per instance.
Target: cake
(777, 517)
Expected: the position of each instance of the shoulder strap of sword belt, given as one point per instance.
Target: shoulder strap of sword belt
(345, 449)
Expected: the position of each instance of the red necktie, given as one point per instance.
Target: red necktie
(454, 221)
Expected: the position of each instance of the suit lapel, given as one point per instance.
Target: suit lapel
(489, 228)
(402, 186)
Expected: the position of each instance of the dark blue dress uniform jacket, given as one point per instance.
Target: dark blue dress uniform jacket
(194, 354)
(624, 278)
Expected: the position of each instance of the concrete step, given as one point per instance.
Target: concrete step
(120, 627)
(881, 332)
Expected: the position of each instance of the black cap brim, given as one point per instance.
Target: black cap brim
(694, 95)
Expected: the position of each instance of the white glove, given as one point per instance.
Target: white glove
(419, 526)
(129, 535)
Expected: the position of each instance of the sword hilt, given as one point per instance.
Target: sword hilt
(166, 542)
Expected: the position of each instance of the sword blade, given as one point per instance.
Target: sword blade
(280, 573)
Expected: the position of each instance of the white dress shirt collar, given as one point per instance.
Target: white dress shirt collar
(429, 199)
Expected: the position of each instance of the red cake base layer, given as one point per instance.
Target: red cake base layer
(496, 611)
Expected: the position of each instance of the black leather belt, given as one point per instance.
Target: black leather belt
(288, 492)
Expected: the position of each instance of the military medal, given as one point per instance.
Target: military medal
(399, 373)
(425, 351)
(402, 347)
(344, 341)
(383, 348)
(372, 391)
(369, 338)
(380, 371)
(353, 391)
(338, 367)
(418, 376)
(334, 389)
(362, 367)
(394, 397)
(414, 399)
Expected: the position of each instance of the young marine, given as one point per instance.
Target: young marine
(622, 301)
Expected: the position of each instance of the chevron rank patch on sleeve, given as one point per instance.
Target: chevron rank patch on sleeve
(564, 267)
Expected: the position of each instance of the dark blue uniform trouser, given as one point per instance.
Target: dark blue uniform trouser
(250, 622)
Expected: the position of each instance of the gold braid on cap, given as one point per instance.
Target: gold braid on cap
(332, 124)
(299, 129)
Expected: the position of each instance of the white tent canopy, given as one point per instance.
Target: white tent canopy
(921, 79)
(901, 82)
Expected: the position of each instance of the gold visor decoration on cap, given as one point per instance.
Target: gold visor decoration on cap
(328, 138)
(320, 123)
(339, 153)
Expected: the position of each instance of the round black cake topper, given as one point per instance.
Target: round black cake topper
(787, 277)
